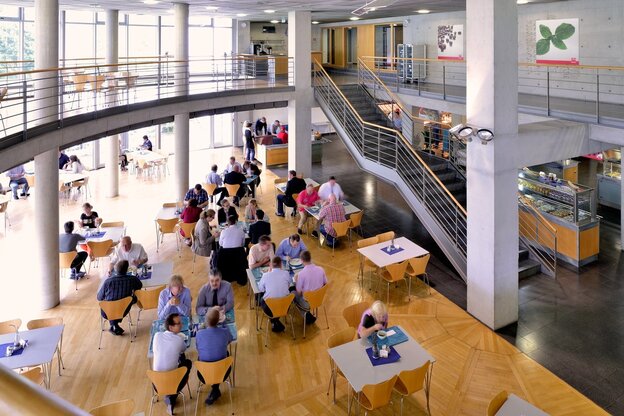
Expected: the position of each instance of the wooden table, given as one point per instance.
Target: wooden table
(282, 186)
(381, 259)
(42, 344)
(515, 406)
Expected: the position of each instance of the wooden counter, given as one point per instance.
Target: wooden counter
(277, 154)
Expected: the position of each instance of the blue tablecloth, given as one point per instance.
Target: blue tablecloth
(229, 323)
(394, 339)
(393, 356)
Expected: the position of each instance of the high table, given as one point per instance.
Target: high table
(42, 344)
(382, 259)
(515, 406)
(352, 360)
(282, 186)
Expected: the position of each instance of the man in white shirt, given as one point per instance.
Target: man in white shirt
(330, 187)
(169, 349)
(261, 254)
(127, 250)
(230, 167)
(275, 284)
(232, 236)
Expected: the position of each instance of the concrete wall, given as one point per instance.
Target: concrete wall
(278, 40)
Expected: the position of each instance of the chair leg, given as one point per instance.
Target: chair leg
(266, 334)
(230, 393)
(184, 401)
(304, 324)
(151, 405)
(388, 294)
(101, 330)
(130, 322)
(198, 396)
(326, 321)
(409, 288)
(292, 325)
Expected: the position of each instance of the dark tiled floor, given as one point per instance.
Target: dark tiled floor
(573, 325)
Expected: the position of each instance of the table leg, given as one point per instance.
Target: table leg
(46, 374)
(157, 239)
(235, 347)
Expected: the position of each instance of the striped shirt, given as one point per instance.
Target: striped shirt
(330, 214)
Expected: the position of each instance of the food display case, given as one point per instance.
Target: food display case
(610, 181)
(570, 208)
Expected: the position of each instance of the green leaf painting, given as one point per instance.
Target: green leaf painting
(562, 32)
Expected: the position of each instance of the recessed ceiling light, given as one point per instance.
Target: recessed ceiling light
(372, 9)
(315, 22)
(241, 15)
(269, 11)
(150, 1)
(212, 8)
(423, 11)
(522, 1)
(274, 21)
(354, 18)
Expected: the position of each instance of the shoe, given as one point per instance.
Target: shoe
(80, 275)
(321, 239)
(310, 319)
(280, 215)
(113, 331)
(24, 194)
(299, 231)
(278, 327)
(15, 197)
(212, 397)
(315, 234)
(294, 213)
(119, 330)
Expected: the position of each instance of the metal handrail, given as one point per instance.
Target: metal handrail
(389, 148)
(538, 236)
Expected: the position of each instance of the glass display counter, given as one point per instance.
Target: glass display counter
(610, 181)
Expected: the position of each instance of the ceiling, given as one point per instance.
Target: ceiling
(329, 11)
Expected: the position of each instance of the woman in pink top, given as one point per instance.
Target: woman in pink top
(189, 215)
(373, 319)
(306, 199)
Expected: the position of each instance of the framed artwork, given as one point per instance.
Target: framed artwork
(451, 42)
(557, 41)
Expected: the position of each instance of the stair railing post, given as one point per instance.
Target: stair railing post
(444, 82)
(597, 97)
(419, 79)
(547, 91)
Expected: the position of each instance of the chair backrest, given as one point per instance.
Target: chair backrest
(31, 180)
(100, 248)
(3, 207)
(44, 322)
(280, 180)
(170, 205)
(387, 236)
(419, 264)
(397, 270)
(341, 228)
(66, 259)
(379, 394)
(411, 381)
(279, 306)
(167, 226)
(315, 297)
(6, 328)
(341, 337)
(214, 372)
(148, 299)
(295, 196)
(166, 382)
(35, 375)
(496, 403)
(210, 187)
(3, 92)
(188, 228)
(120, 408)
(112, 224)
(232, 189)
(365, 242)
(114, 309)
(80, 81)
(353, 313)
(356, 219)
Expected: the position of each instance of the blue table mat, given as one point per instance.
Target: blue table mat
(3, 348)
(395, 339)
(145, 276)
(393, 250)
(97, 234)
(393, 356)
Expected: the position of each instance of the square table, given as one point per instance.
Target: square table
(42, 344)
(110, 233)
(161, 272)
(381, 259)
(282, 186)
(348, 207)
(515, 406)
(254, 276)
(352, 360)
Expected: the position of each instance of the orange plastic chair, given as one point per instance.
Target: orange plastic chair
(353, 314)
(165, 383)
(214, 373)
(232, 189)
(418, 267)
(496, 403)
(394, 273)
(342, 230)
(44, 323)
(114, 310)
(374, 396)
(339, 338)
(167, 226)
(411, 381)
(7, 328)
(119, 408)
(356, 222)
(113, 224)
(146, 300)
(279, 307)
(35, 375)
(98, 250)
(189, 229)
(387, 236)
(315, 300)
(65, 261)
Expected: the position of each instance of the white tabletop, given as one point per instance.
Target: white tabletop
(282, 186)
(5, 198)
(375, 253)
(515, 406)
(252, 282)
(167, 214)
(66, 176)
(42, 344)
(354, 363)
(348, 207)
(161, 272)
(145, 155)
(111, 233)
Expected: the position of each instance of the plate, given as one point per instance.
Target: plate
(264, 269)
(295, 262)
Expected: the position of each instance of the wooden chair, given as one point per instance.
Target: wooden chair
(279, 307)
(411, 381)
(374, 396)
(112, 224)
(214, 373)
(64, 190)
(342, 230)
(168, 226)
(189, 230)
(114, 310)
(387, 236)
(31, 180)
(4, 210)
(165, 383)
(84, 183)
(364, 261)
(35, 375)
(353, 314)
(315, 300)
(170, 205)
(394, 273)
(496, 403)
(65, 261)
(146, 300)
(356, 222)
(418, 267)
(44, 323)
(232, 190)
(98, 250)
(210, 188)
(6, 328)
(119, 408)
(339, 338)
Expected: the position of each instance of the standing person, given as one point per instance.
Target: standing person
(212, 344)
(259, 228)
(305, 200)
(190, 215)
(89, 218)
(204, 239)
(290, 248)
(147, 145)
(169, 349)
(373, 319)
(69, 242)
(119, 286)
(214, 178)
(328, 215)
(294, 186)
(275, 284)
(311, 278)
(261, 128)
(17, 179)
(236, 178)
(175, 298)
(331, 187)
(63, 159)
(215, 294)
(250, 145)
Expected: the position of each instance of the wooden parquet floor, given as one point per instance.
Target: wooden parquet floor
(289, 377)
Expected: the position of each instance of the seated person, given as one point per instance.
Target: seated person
(190, 215)
(147, 144)
(204, 239)
(261, 254)
(373, 319)
(329, 214)
(69, 242)
(175, 298)
(275, 127)
(63, 159)
(236, 178)
(294, 185)
(330, 187)
(259, 228)
(119, 286)
(276, 140)
(169, 350)
(198, 193)
(283, 136)
(226, 211)
(74, 165)
(17, 178)
(311, 278)
(275, 284)
(251, 211)
(232, 236)
(212, 344)
(215, 294)
(133, 253)
(214, 178)
(250, 169)
(290, 248)
(305, 200)
(230, 167)
(89, 218)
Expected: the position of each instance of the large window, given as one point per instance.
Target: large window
(16, 37)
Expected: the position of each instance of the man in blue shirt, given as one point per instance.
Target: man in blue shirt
(212, 344)
(147, 144)
(119, 286)
(290, 248)
(198, 193)
(63, 160)
(275, 284)
(17, 179)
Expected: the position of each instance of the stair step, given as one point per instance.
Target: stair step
(528, 268)
(523, 254)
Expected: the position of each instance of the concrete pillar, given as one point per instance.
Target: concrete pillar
(492, 103)
(181, 121)
(45, 252)
(300, 108)
(112, 142)
(621, 208)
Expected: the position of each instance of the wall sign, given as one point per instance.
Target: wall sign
(557, 41)
(451, 42)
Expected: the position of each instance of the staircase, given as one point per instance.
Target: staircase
(527, 267)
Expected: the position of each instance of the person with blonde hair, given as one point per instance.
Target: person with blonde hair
(373, 319)
(175, 298)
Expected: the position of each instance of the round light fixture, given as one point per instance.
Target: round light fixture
(241, 15)
(315, 22)
(485, 135)
(423, 11)
(354, 18)
(151, 1)
(269, 11)
(274, 21)
(522, 1)
(212, 8)
(465, 132)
